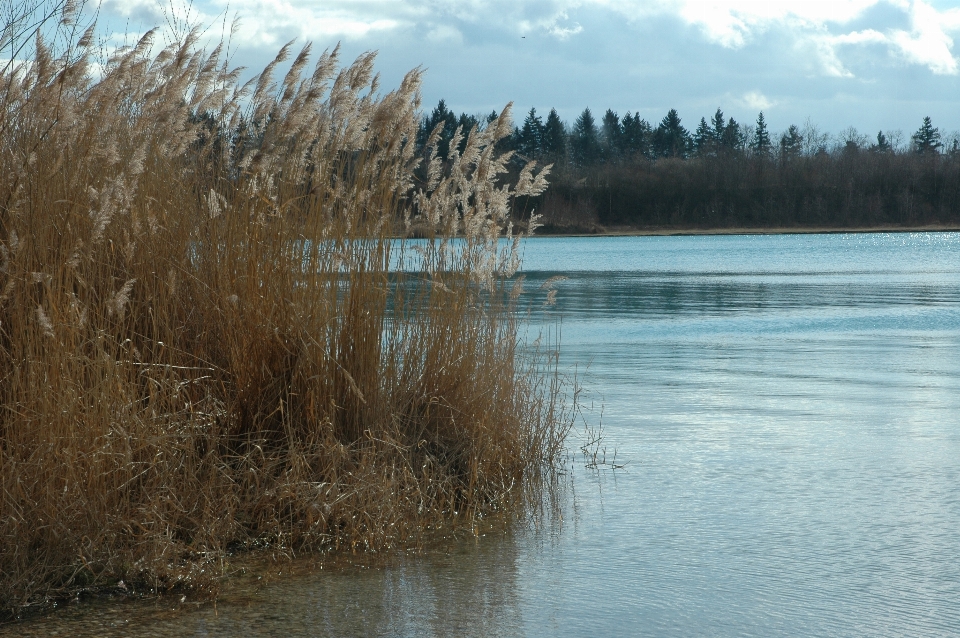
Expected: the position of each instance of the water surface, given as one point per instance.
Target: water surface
(788, 408)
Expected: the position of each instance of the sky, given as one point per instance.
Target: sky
(868, 64)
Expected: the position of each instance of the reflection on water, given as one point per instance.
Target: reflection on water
(789, 407)
(468, 589)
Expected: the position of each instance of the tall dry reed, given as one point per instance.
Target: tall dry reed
(205, 342)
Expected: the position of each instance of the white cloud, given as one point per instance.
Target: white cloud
(757, 101)
(564, 32)
(928, 43)
(445, 33)
(143, 10)
(359, 18)
(814, 28)
(270, 23)
(733, 23)
(867, 36)
(823, 55)
(273, 21)
(557, 29)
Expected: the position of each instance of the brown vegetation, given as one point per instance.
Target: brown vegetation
(205, 342)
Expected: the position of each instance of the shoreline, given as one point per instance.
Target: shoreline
(617, 231)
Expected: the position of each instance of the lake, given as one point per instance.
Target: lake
(787, 411)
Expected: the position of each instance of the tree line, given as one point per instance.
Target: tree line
(626, 172)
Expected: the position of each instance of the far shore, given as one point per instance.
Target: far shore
(615, 231)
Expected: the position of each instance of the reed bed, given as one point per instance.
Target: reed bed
(205, 343)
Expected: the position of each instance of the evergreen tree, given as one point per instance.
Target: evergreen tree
(637, 136)
(440, 115)
(467, 123)
(719, 128)
(882, 145)
(554, 137)
(530, 142)
(703, 138)
(791, 142)
(927, 138)
(585, 139)
(732, 137)
(671, 139)
(761, 138)
(612, 134)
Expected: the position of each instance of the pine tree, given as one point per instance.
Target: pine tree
(761, 138)
(927, 138)
(467, 123)
(732, 139)
(530, 142)
(554, 137)
(612, 134)
(440, 114)
(703, 139)
(791, 142)
(585, 140)
(671, 139)
(882, 145)
(719, 127)
(637, 136)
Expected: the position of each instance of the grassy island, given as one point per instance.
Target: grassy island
(206, 341)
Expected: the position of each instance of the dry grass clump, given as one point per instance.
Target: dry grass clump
(205, 342)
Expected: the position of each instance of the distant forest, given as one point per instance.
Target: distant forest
(625, 173)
